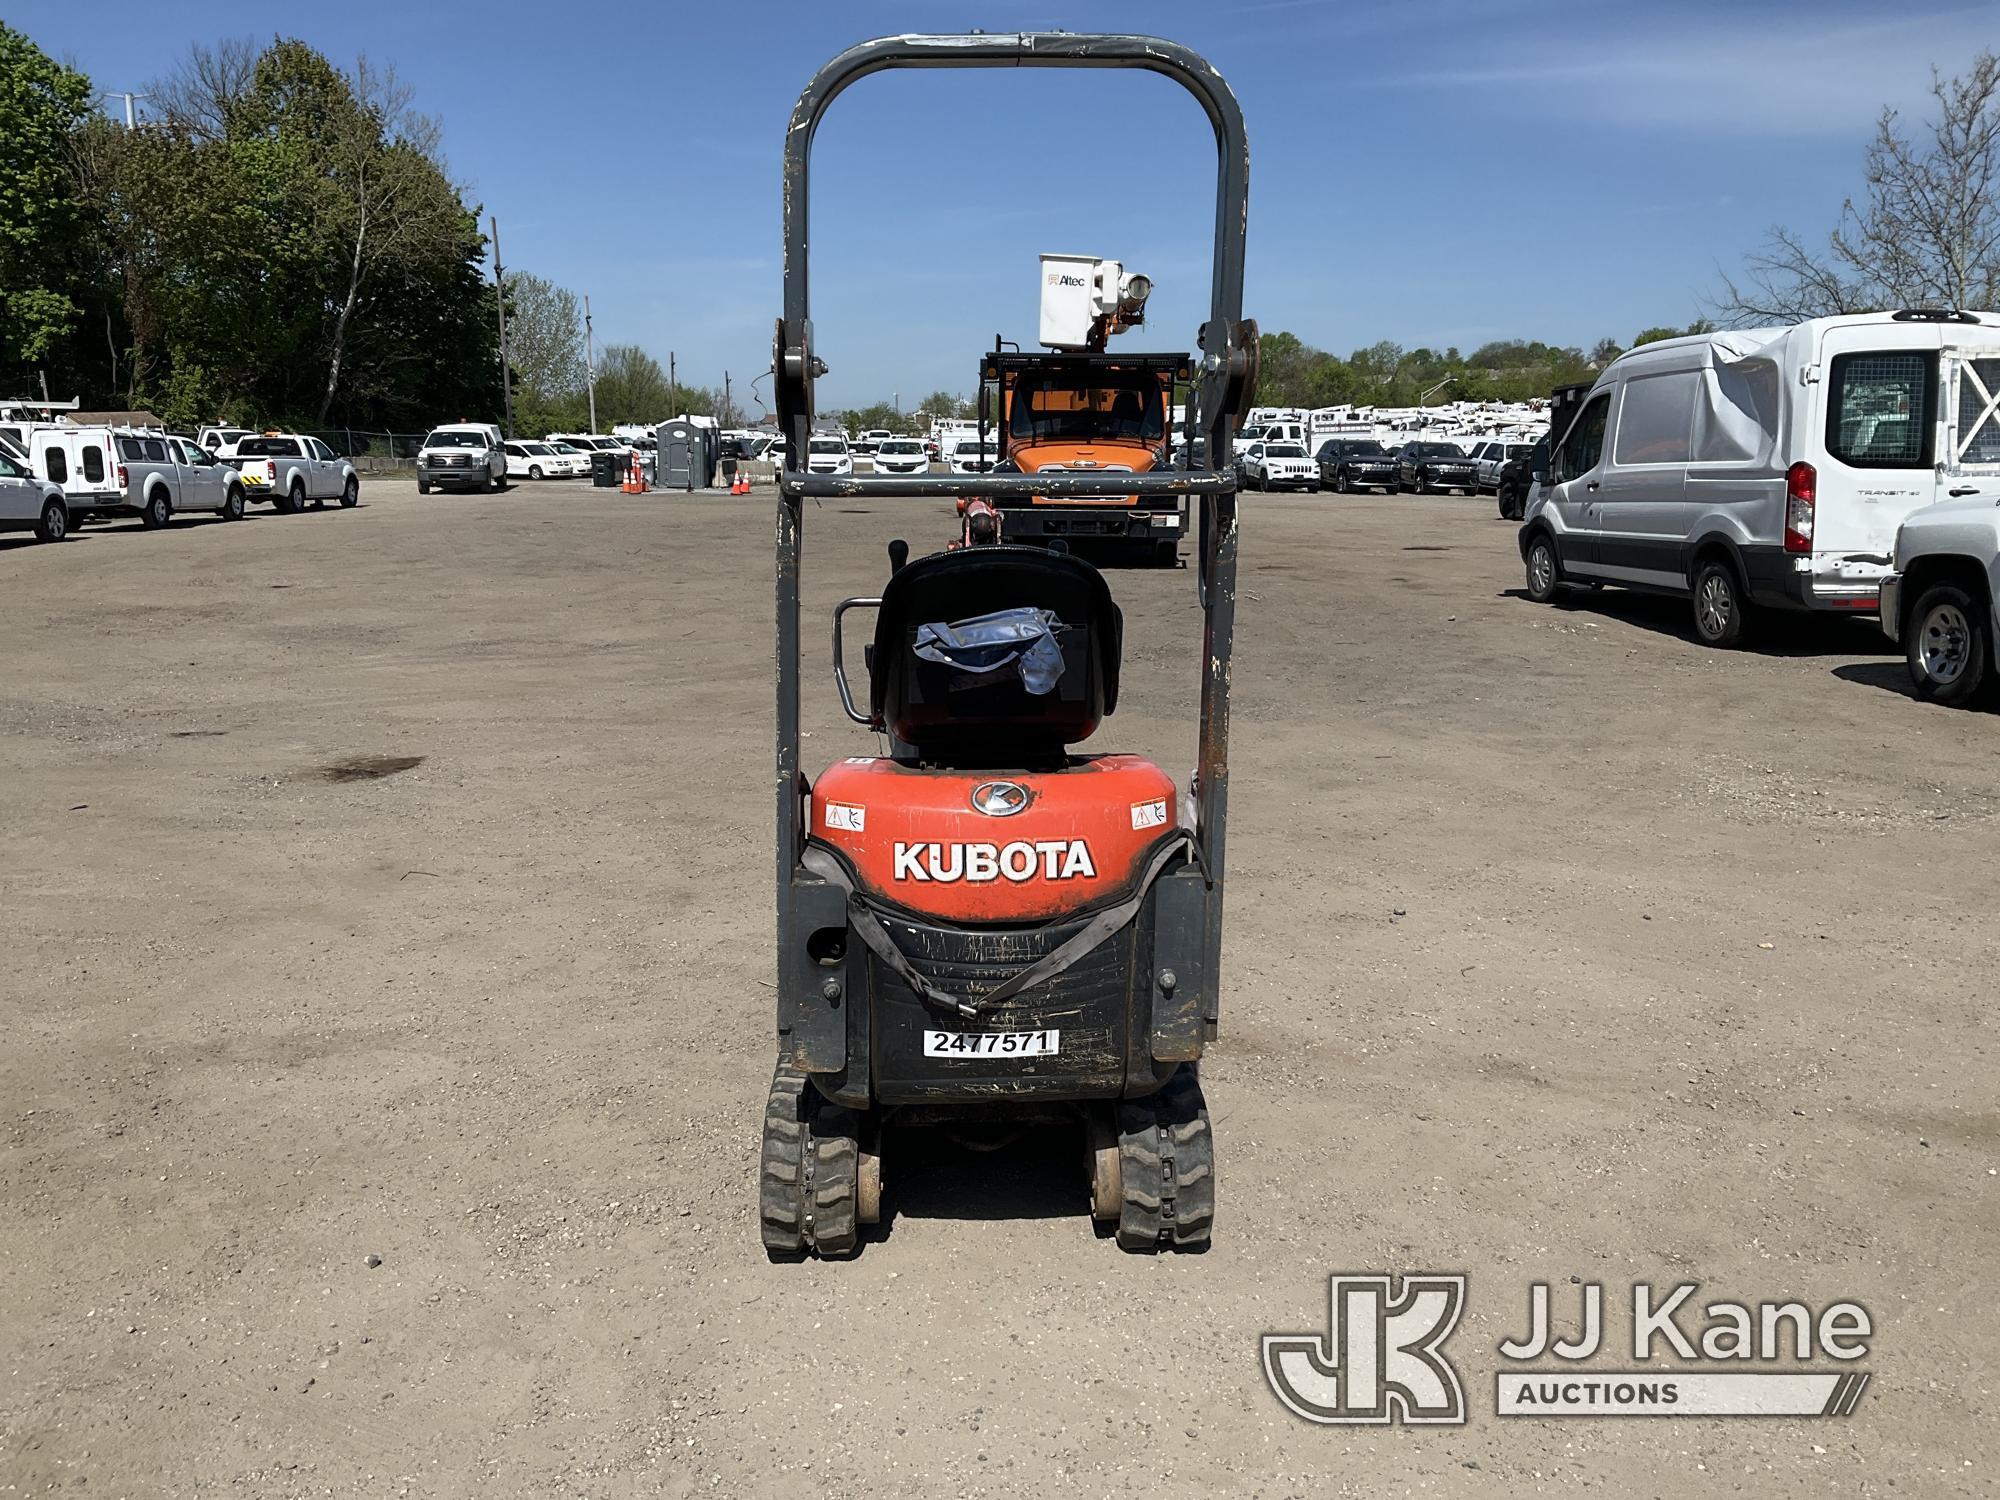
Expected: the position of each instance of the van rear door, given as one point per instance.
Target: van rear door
(1876, 448)
(1971, 401)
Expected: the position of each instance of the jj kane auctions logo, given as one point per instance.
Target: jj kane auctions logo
(1382, 1357)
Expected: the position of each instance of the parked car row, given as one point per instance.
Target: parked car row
(56, 475)
(526, 460)
(1350, 465)
(1846, 465)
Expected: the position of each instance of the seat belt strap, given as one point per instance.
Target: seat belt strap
(868, 924)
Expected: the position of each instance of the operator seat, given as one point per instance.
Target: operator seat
(951, 716)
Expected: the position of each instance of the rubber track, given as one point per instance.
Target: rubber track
(780, 1207)
(1167, 1164)
(809, 1172)
(835, 1228)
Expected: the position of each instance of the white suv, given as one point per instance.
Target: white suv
(903, 455)
(828, 455)
(1280, 466)
(30, 503)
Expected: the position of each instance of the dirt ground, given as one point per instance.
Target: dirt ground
(1558, 946)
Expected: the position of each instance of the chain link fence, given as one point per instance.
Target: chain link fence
(372, 451)
(354, 442)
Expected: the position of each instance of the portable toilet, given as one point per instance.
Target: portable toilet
(682, 455)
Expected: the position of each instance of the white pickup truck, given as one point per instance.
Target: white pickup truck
(292, 471)
(1943, 595)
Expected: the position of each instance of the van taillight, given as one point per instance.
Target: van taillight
(124, 479)
(1801, 492)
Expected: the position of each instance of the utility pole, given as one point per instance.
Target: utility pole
(500, 300)
(673, 382)
(589, 365)
(728, 411)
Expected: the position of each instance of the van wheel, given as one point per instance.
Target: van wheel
(232, 504)
(54, 524)
(1544, 568)
(157, 511)
(1950, 644)
(534, 471)
(1721, 613)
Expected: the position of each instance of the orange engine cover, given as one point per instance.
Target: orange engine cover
(969, 847)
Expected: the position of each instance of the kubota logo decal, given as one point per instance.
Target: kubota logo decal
(1052, 859)
(999, 799)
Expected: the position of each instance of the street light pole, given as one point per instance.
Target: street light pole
(500, 300)
(589, 364)
(131, 115)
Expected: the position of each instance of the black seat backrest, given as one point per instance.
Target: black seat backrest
(942, 711)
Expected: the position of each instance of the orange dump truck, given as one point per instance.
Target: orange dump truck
(1089, 413)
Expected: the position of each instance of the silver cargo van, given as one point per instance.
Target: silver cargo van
(1765, 467)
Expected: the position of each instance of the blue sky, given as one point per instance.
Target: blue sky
(1429, 171)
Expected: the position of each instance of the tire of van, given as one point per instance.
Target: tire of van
(1544, 566)
(156, 512)
(1721, 611)
(534, 471)
(1949, 647)
(54, 523)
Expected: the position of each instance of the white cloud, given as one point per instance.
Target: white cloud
(1801, 74)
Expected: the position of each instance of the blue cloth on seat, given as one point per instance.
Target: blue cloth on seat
(1022, 639)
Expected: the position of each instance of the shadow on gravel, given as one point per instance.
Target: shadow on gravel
(1890, 676)
(20, 541)
(1035, 1173)
(1774, 632)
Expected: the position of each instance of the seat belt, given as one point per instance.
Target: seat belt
(867, 921)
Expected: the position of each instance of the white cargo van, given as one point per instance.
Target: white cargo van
(1764, 467)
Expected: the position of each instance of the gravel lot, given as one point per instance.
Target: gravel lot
(1559, 947)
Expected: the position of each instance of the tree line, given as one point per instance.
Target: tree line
(280, 242)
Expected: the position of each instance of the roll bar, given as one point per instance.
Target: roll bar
(1226, 381)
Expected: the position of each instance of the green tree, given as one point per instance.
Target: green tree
(285, 245)
(631, 387)
(940, 406)
(42, 106)
(1654, 335)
